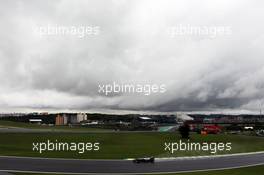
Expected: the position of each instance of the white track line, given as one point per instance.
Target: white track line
(176, 172)
(207, 156)
(161, 158)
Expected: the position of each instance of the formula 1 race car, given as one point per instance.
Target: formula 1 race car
(144, 160)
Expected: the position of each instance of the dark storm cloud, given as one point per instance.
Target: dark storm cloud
(207, 72)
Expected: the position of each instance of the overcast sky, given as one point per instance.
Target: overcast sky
(135, 44)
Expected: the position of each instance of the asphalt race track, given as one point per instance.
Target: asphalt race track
(12, 164)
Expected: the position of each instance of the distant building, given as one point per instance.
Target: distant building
(184, 117)
(145, 118)
(77, 118)
(38, 121)
(59, 120)
(81, 117)
(65, 119)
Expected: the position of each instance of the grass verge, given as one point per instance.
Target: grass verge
(121, 145)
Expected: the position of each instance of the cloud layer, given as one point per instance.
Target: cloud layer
(134, 45)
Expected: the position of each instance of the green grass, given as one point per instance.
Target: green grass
(255, 170)
(120, 145)
(11, 124)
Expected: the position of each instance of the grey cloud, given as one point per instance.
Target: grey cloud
(63, 72)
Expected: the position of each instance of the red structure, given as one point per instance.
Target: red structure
(212, 129)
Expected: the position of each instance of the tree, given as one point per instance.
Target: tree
(185, 131)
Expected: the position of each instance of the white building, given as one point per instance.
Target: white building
(65, 119)
(81, 117)
(183, 117)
